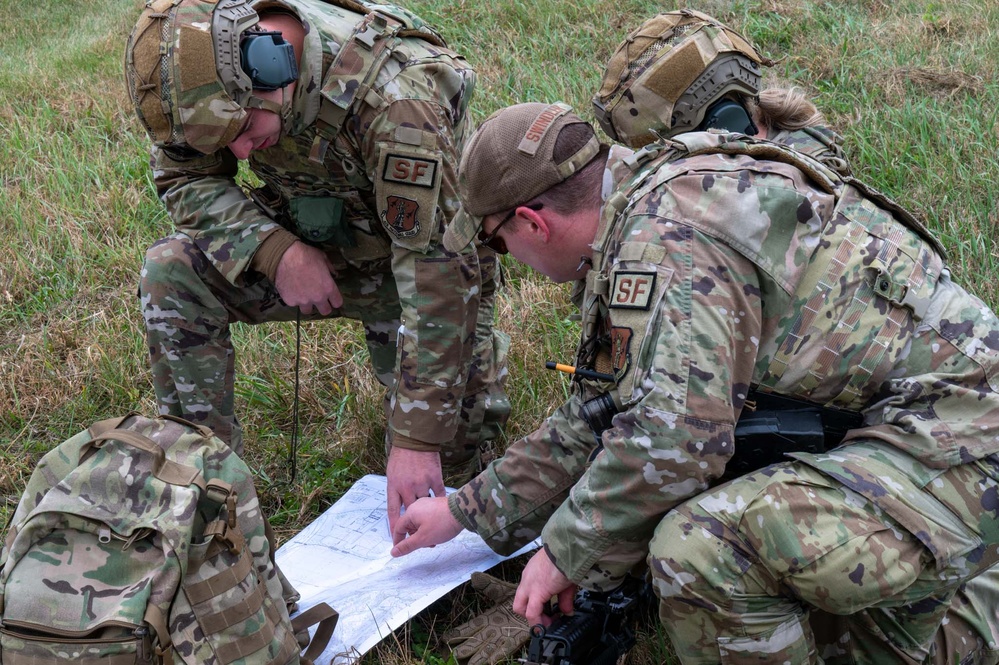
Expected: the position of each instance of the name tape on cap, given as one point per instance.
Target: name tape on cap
(536, 132)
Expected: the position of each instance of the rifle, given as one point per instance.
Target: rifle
(600, 630)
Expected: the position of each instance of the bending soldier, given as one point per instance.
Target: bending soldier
(354, 121)
(715, 269)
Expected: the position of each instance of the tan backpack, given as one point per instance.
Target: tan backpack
(142, 541)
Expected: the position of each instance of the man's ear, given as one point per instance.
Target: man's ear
(536, 221)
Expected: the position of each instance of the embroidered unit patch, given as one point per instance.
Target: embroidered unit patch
(400, 216)
(620, 349)
(633, 290)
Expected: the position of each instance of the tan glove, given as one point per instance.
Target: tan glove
(495, 635)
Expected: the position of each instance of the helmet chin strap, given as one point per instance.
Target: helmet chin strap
(282, 109)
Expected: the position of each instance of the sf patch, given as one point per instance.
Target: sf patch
(406, 194)
(633, 289)
(400, 216)
(409, 170)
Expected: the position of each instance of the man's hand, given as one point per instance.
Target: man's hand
(304, 279)
(538, 583)
(411, 475)
(427, 522)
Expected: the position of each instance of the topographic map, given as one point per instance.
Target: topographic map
(343, 559)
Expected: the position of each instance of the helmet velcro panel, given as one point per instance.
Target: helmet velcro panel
(744, 47)
(195, 58)
(686, 62)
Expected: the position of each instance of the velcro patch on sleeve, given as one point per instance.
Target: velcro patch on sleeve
(410, 170)
(406, 194)
(633, 289)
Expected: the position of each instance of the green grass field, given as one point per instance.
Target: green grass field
(911, 84)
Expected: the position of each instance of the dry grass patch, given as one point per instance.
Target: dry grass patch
(930, 81)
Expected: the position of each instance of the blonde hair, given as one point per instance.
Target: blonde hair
(786, 108)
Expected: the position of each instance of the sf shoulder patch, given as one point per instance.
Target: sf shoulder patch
(633, 289)
(635, 300)
(410, 170)
(406, 191)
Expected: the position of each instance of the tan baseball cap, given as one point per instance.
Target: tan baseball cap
(510, 160)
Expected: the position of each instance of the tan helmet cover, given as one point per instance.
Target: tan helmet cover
(172, 71)
(665, 74)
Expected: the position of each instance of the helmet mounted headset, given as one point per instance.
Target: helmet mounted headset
(267, 59)
(248, 58)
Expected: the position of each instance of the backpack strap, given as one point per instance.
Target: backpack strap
(326, 618)
(154, 619)
(166, 470)
(102, 426)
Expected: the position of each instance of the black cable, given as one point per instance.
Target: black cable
(293, 446)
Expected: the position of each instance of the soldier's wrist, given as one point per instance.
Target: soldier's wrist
(268, 256)
(408, 443)
(458, 514)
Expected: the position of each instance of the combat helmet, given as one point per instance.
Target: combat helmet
(191, 67)
(669, 73)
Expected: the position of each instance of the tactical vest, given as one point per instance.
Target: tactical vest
(903, 274)
(377, 36)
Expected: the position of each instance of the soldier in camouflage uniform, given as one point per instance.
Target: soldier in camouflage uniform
(354, 120)
(716, 267)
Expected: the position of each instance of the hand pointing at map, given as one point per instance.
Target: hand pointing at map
(426, 522)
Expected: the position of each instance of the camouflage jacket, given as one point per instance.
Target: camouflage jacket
(713, 273)
(366, 172)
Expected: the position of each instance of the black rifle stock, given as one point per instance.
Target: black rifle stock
(600, 630)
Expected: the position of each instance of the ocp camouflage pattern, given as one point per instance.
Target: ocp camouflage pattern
(343, 190)
(97, 541)
(724, 271)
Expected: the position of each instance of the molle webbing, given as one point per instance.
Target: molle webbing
(237, 649)
(247, 607)
(83, 659)
(408, 30)
(199, 592)
(372, 42)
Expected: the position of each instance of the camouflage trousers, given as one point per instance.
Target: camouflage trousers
(188, 307)
(790, 565)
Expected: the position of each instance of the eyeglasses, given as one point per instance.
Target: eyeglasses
(494, 242)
